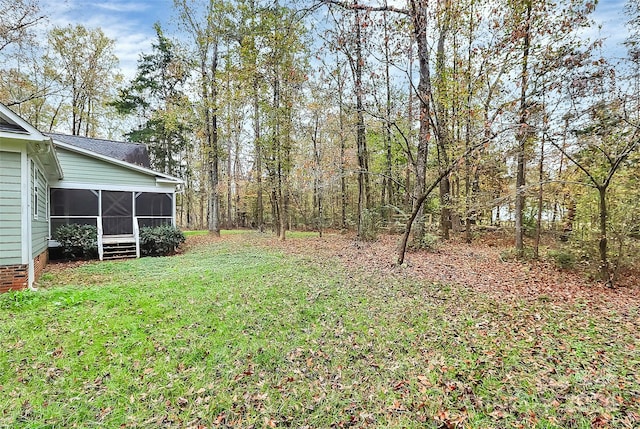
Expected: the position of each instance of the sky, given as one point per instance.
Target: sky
(130, 23)
(609, 15)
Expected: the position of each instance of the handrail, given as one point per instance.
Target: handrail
(136, 234)
(100, 244)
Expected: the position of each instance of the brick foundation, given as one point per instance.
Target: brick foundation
(39, 263)
(13, 277)
(16, 277)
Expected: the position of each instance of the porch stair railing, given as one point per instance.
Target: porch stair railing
(120, 246)
(100, 242)
(136, 235)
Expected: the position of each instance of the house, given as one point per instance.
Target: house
(48, 180)
(28, 163)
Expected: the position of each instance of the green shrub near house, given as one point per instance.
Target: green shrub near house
(77, 241)
(160, 240)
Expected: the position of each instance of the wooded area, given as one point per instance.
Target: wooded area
(454, 116)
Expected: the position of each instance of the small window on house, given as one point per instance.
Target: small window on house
(46, 205)
(34, 180)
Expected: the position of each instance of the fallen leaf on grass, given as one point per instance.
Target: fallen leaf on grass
(104, 413)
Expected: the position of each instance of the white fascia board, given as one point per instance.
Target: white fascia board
(20, 136)
(108, 159)
(106, 187)
(163, 181)
(56, 160)
(31, 132)
(49, 154)
(30, 135)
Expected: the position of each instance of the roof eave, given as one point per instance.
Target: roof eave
(175, 181)
(144, 170)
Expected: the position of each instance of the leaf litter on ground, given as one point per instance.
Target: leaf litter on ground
(248, 331)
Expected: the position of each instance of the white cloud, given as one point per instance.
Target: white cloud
(128, 23)
(119, 6)
(611, 26)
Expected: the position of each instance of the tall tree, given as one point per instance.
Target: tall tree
(249, 36)
(19, 17)
(204, 22)
(602, 148)
(82, 61)
(284, 72)
(350, 41)
(419, 14)
(523, 12)
(443, 97)
(156, 95)
(545, 35)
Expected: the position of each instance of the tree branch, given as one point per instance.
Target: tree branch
(402, 249)
(357, 6)
(577, 164)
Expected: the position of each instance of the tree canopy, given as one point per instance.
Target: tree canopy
(432, 118)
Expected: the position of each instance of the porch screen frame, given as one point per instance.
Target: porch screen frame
(69, 210)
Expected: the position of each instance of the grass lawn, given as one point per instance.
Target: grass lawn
(237, 333)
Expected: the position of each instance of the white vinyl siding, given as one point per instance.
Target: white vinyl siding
(80, 168)
(39, 226)
(10, 208)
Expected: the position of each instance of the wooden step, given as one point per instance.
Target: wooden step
(119, 251)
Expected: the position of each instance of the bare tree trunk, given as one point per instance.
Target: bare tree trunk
(280, 221)
(387, 183)
(522, 136)
(285, 166)
(605, 272)
(237, 175)
(468, 188)
(258, 154)
(211, 131)
(361, 141)
(419, 15)
(467, 132)
(282, 213)
(317, 191)
(202, 224)
(275, 217)
(343, 179)
(536, 246)
(560, 170)
(229, 127)
(442, 130)
(229, 222)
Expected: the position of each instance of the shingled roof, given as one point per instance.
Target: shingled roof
(133, 153)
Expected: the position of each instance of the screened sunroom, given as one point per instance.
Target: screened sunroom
(117, 215)
(116, 196)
